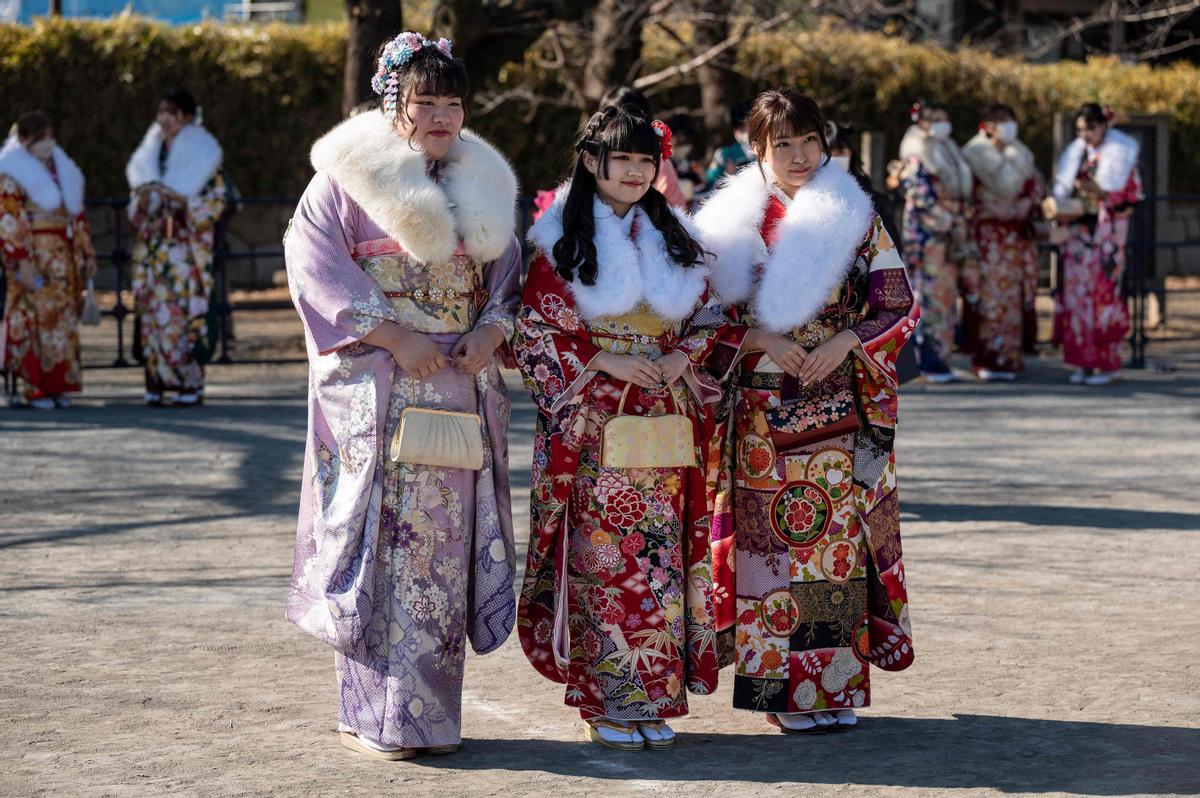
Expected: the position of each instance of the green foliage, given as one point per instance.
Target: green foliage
(266, 91)
(269, 91)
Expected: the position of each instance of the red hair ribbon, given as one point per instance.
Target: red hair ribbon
(1109, 113)
(664, 133)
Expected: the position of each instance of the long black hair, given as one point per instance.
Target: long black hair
(614, 129)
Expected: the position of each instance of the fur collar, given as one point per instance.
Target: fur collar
(819, 236)
(941, 158)
(628, 270)
(388, 179)
(1002, 172)
(194, 157)
(1117, 154)
(37, 181)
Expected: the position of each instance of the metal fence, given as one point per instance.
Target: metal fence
(1141, 277)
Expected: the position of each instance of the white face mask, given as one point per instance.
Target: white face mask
(1006, 132)
(43, 148)
(841, 161)
(940, 130)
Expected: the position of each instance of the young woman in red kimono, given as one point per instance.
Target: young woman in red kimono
(807, 509)
(1100, 168)
(616, 601)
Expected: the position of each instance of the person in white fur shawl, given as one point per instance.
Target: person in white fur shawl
(936, 183)
(46, 251)
(405, 271)
(806, 525)
(1006, 218)
(178, 195)
(1098, 168)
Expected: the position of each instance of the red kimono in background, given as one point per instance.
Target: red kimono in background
(617, 596)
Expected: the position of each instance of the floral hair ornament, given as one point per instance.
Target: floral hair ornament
(396, 54)
(664, 133)
(1109, 113)
(914, 113)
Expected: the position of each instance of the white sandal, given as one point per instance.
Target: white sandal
(614, 734)
(659, 736)
(375, 749)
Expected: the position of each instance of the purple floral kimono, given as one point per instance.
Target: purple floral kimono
(397, 565)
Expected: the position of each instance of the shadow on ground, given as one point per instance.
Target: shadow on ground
(1002, 753)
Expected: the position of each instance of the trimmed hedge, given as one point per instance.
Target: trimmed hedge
(269, 91)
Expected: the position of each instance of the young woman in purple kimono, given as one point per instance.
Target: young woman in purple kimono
(405, 271)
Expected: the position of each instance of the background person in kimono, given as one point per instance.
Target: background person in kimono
(1100, 168)
(616, 599)
(47, 253)
(941, 259)
(404, 268)
(1007, 211)
(809, 499)
(177, 197)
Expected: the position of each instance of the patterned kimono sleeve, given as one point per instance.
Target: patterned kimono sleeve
(502, 281)
(1130, 194)
(892, 313)
(712, 342)
(85, 251)
(921, 195)
(206, 208)
(16, 236)
(551, 343)
(337, 301)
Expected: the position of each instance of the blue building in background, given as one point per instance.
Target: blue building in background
(175, 12)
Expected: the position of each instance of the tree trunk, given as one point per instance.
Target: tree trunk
(719, 83)
(616, 47)
(372, 22)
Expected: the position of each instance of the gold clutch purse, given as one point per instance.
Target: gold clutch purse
(441, 438)
(665, 441)
(1070, 208)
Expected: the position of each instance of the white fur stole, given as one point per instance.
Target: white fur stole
(1118, 155)
(388, 179)
(37, 181)
(628, 270)
(941, 158)
(817, 241)
(194, 157)
(1003, 172)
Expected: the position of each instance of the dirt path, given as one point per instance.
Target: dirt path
(1052, 535)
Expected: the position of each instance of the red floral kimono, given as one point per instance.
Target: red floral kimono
(1092, 317)
(616, 601)
(42, 225)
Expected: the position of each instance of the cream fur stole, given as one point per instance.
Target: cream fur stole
(1002, 172)
(194, 157)
(628, 270)
(1118, 155)
(388, 179)
(818, 239)
(36, 181)
(941, 158)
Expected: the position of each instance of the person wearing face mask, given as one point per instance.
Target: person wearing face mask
(617, 320)
(806, 496)
(177, 196)
(1007, 210)
(936, 183)
(405, 271)
(1098, 170)
(46, 250)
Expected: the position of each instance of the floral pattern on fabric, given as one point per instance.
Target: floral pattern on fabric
(941, 263)
(810, 596)
(172, 283)
(41, 335)
(1093, 316)
(621, 556)
(1008, 269)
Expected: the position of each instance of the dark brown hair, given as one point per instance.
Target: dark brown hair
(618, 129)
(783, 113)
(998, 112)
(33, 124)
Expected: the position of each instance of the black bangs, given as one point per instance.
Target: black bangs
(621, 131)
(429, 72)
